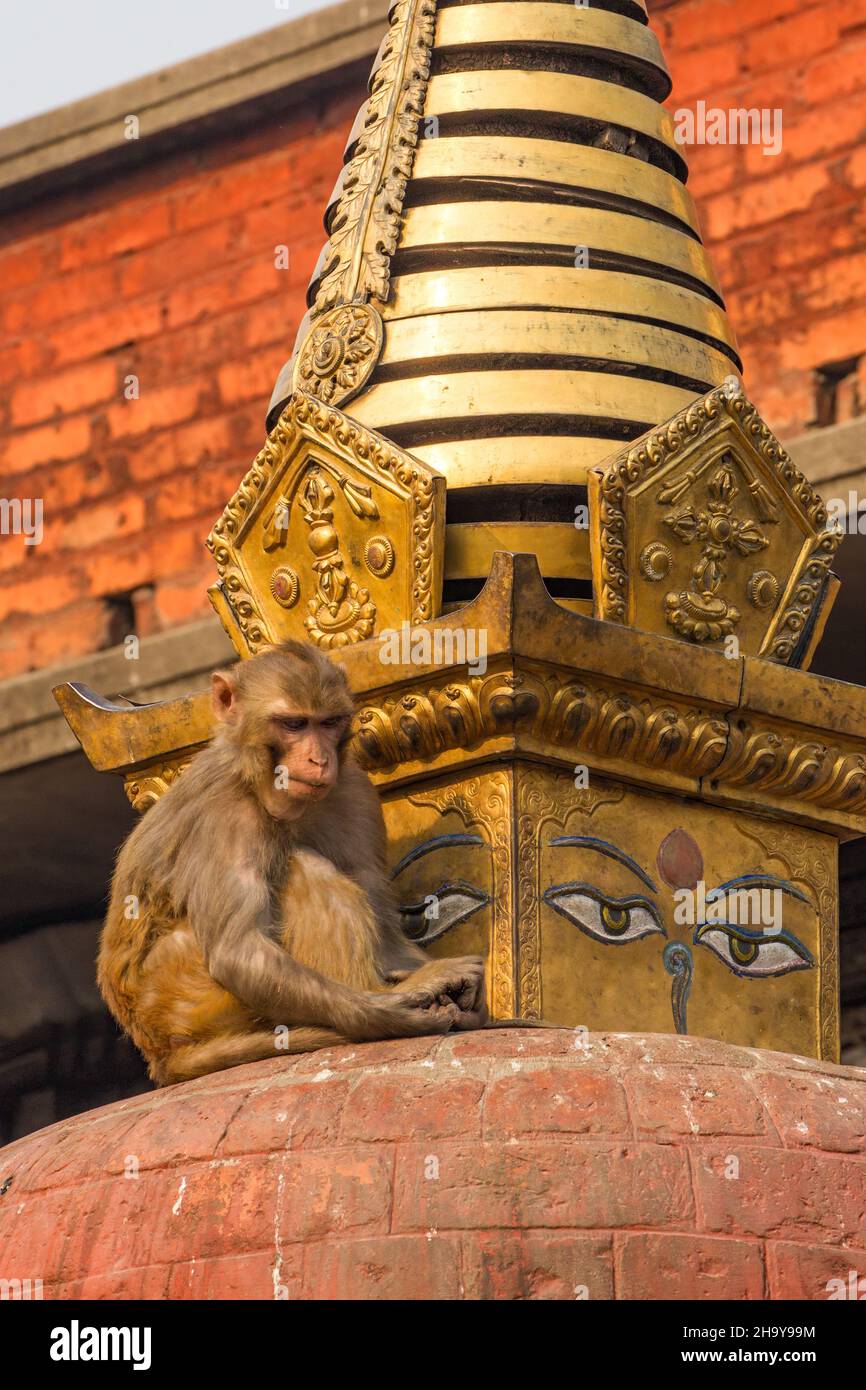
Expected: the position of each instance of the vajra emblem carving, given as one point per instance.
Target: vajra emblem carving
(702, 613)
(340, 612)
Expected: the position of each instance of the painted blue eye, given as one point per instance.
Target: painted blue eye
(442, 910)
(610, 920)
(754, 954)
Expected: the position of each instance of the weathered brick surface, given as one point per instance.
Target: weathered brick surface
(537, 1265)
(168, 274)
(787, 232)
(653, 1266)
(809, 1271)
(508, 1165)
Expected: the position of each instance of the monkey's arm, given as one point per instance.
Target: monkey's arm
(237, 938)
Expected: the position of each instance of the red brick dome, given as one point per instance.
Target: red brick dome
(502, 1165)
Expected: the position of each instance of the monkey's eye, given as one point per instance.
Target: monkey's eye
(606, 919)
(293, 724)
(450, 905)
(755, 954)
(334, 721)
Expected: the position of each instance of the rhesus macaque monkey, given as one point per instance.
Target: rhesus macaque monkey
(254, 894)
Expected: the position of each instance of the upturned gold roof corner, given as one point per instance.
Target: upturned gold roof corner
(334, 535)
(706, 531)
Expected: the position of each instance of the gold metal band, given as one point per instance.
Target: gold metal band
(560, 459)
(584, 26)
(562, 550)
(595, 291)
(555, 162)
(557, 224)
(467, 395)
(431, 337)
(461, 93)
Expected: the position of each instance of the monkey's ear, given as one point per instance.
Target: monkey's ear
(224, 696)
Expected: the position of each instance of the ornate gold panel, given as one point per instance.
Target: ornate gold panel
(333, 536)
(705, 530)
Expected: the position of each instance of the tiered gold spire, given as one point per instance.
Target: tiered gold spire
(513, 205)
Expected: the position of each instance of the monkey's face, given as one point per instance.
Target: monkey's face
(287, 714)
(305, 754)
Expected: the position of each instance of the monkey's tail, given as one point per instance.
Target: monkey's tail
(191, 1060)
(520, 1023)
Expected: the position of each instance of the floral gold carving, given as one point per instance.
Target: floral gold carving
(763, 589)
(655, 562)
(380, 556)
(340, 353)
(285, 586)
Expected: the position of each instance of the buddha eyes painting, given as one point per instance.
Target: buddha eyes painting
(717, 928)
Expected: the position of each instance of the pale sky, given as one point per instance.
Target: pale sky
(55, 51)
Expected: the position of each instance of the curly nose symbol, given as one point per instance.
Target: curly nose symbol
(678, 963)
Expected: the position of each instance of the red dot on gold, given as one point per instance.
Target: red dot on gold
(680, 861)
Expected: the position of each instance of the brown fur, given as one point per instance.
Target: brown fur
(247, 919)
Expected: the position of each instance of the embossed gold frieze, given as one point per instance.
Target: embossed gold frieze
(365, 223)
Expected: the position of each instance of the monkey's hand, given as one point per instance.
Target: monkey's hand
(408, 1014)
(459, 982)
(461, 979)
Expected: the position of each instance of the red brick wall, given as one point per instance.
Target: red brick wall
(787, 233)
(168, 274)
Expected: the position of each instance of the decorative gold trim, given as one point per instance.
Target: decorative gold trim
(803, 599)
(536, 807)
(145, 788)
(365, 225)
(610, 723)
(782, 764)
(797, 853)
(549, 705)
(486, 802)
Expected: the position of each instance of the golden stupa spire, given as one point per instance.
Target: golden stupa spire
(514, 283)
